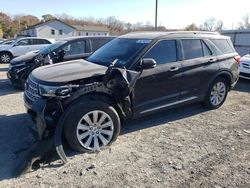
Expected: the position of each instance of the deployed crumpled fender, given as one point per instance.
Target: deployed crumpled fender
(121, 82)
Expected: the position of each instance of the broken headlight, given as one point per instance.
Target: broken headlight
(48, 91)
(54, 91)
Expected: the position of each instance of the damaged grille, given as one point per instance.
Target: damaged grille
(32, 90)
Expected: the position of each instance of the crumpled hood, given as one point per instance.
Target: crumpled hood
(24, 58)
(61, 73)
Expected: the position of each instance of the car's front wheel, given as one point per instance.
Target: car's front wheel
(90, 126)
(5, 57)
(216, 94)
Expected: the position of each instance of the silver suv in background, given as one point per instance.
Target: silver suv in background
(16, 47)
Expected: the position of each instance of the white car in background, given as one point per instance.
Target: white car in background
(20, 46)
(245, 67)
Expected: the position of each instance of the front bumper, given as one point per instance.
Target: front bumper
(36, 112)
(47, 128)
(15, 76)
(12, 76)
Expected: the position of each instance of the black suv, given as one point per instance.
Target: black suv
(131, 76)
(64, 50)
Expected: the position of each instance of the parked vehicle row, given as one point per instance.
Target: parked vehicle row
(64, 50)
(131, 76)
(16, 47)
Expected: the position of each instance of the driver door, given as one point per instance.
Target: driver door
(159, 87)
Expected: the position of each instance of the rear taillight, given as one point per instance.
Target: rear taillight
(237, 58)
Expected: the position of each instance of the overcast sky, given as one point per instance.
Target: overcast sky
(175, 14)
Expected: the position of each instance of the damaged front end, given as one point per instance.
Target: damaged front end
(46, 104)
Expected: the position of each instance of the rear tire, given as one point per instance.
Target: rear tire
(91, 125)
(5, 57)
(216, 94)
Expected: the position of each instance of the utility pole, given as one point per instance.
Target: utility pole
(156, 13)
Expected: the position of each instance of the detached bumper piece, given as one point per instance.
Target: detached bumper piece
(45, 128)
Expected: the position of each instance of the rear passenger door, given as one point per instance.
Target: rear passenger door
(159, 87)
(198, 65)
(37, 44)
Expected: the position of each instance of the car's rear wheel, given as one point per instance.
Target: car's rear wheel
(5, 57)
(217, 93)
(90, 126)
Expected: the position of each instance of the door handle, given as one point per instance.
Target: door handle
(212, 60)
(172, 69)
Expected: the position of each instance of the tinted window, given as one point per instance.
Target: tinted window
(97, 43)
(122, 49)
(163, 52)
(46, 41)
(51, 47)
(192, 48)
(8, 42)
(37, 41)
(206, 50)
(40, 41)
(60, 32)
(223, 45)
(24, 42)
(74, 48)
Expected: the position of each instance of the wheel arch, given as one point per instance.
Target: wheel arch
(96, 96)
(224, 74)
(6, 51)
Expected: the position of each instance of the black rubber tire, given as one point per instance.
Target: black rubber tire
(8, 54)
(207, 103)
(77, 110)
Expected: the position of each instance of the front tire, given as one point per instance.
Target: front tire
(91, 126)
(216, 94)
(5, 57)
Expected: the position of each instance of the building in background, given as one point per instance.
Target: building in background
(57, 30)
(240, 40)
(91, 30)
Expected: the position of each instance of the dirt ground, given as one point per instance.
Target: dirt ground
(185, 147)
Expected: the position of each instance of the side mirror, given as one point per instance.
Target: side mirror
(148, 63)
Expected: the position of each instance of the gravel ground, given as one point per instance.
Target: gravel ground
(186, 147)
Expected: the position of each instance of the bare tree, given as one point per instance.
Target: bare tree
(114, 25)
(209, 24)
(219, 26)
(244, 24)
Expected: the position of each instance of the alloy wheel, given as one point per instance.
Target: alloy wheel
(5, 58)
(95, 130)
(218, 93)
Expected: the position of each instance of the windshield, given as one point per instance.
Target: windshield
(120, 48)
(9, 42)
(51, 47)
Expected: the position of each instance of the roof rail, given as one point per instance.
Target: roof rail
(194, 32)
